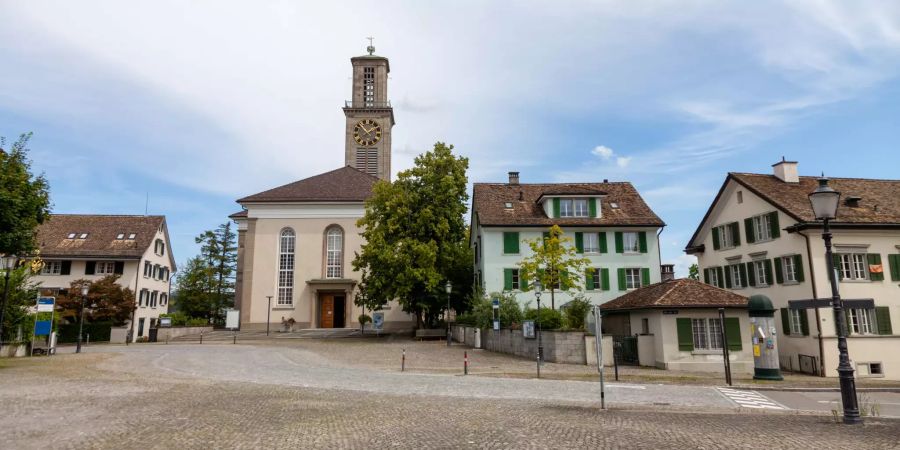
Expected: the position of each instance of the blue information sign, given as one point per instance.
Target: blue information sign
(42, 327)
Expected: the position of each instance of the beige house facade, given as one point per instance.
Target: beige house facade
(296, 242)
(760, 237)
(91, 247)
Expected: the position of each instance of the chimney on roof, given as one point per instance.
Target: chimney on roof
(667, 272)
(605, 180)
(514, 178)
(786, 171)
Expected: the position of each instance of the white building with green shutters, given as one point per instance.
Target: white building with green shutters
(760, 236)
(609, 222)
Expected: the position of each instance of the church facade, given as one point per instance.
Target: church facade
(296, 241)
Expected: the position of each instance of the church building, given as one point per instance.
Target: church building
(296, 241)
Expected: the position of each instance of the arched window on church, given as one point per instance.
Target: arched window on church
(286, 267)
(334, 249)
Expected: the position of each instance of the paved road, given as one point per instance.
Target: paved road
(286, 366)
(887, 404)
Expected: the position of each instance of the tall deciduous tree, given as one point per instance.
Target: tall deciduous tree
(415, 238)
(24, 199)
(205, 285)
(22, 294)
(113, 302)
(694, 272)
(555, 262)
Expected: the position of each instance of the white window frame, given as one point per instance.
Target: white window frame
(759, 269)
(862, 321)
(796, 322)
(591, 242)
(566, 208)
(788, 269)
(706, 333)
(287, 242)
(632, 278)
(104, 267)
(734, 271)
(713, 276)
(334, 253)
(726, 240)
(854, 266)
(762, 228)
(631, 242)
(51, 268)
(580, 207)
(515, 280)
(595, 278)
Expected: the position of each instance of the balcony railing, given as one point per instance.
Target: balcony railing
(364, 104)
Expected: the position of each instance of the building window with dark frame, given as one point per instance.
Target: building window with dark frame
(51, 268)
(286, 268)
(707, 334)
(854, 266)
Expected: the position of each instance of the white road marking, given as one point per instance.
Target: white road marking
(750, 399)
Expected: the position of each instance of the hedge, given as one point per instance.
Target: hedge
(98, 331)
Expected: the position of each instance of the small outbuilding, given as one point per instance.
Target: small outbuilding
(675, 325)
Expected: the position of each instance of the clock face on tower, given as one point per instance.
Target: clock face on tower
(367, 132)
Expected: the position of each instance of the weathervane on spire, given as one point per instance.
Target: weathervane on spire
(370, 48)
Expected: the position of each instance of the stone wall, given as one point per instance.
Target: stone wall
(559, 346)
(180, 331)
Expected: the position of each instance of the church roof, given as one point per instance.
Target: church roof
(341, 185)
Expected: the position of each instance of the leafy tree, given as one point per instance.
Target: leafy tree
(415, 238)
(481, 312)
(113, 302)
(694, 272)
(219, 251)
(575, 312)
(24, 199)
(192, 293)
(555, 262)
(22, 295)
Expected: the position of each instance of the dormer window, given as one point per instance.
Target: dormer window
(573, 207)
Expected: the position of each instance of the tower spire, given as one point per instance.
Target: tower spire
(371, 47)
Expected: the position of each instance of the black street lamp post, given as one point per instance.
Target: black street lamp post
(269, 315)
(84, 293)
(9, 262)
(824, 202)
(449, 288)
(540, 349)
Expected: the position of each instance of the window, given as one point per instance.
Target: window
(153, 297)
(854, 267)
(144, 298)
(861, 320)
(51, 268)
(131, 236)
(104, 267)
(592, 282)
(631, 242)
(645, 326)
(159, 247)
(155, 275)
(759, 273)
(367, 160)
(71, 235)
(120, 236)
(148, 269)
(369, 86)
(163, 299)
(515, 278)
(286, 268)
(726, 236)
(762, 227)
(707, 334)
(334, 249)
(796, 321)
(734, 271)
(740, 197)
(507, 205)
(614, 205)
(632, 278)
(569, 207)
(591, 243)
(789, 269)
(83, 236)
(713, 277)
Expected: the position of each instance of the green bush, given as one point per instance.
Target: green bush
(179, 319)
(197, 322)
(551, 319)
(481, 312)
(575, 312)
(98, 331)
(364, 319)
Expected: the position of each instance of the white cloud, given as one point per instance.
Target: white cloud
(623, 161)
(603, 151)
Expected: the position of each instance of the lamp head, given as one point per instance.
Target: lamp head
(538, 287)
(824, 200)
(448, 287)
(8, 261)
(84, 290)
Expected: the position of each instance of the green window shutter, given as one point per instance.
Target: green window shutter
(743, 269)
(592, 207)
(779, 275)
(874, 259)
(602, 240)
(721, 273)
(544, 236)
(894, 261)
(773, 223)
(604, 279)
(804, 322)
(645, 276)
(883, 320)
(735, 230)
(836, 260)
(642, 241)
(523, 282)
(733, 333)
(768, 266)
(685, 334)
(716, 244)
(510, 242)
(621, 274)
(798, 266)
(728, 277)
(785, 321)
(620, 245)
(748, 230)
(751, 272)
(556, 207)
(579, 242)
(589, 280)
(706, 276)
(507, 279)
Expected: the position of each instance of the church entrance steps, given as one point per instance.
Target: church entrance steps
(307, 333)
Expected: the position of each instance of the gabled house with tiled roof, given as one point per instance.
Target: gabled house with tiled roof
(609, 223)
(92, 246)
(760, 236)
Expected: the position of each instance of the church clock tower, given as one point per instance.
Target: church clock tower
(370, 117)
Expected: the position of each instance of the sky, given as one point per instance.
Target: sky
(179, 108)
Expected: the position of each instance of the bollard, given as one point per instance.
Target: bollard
(167, 338)
(465, 363)
(89, 339)
(235, 339)
(201, 338)
(403, 361)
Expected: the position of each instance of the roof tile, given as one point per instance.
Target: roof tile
(680, 293)
(341, 185)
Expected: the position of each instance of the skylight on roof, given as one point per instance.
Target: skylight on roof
(131, 236)
(613, 205)
(71, 235)
(120, 236)
(508, 205)
(83, 236)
